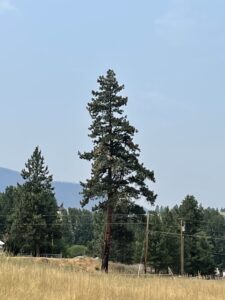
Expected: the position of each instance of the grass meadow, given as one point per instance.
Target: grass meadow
(30, 279)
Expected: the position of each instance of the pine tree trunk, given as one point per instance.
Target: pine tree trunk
(107, 240)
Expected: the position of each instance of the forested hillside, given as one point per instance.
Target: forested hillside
(66, 192)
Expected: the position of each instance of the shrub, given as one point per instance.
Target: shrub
(76, 250)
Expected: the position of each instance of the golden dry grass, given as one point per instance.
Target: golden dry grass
(32, 279)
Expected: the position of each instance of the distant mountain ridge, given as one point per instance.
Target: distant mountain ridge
(66, 192)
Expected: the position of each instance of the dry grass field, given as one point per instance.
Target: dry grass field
(31, 279)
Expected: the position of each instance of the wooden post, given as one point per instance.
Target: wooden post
(146, 243)
(181, 248)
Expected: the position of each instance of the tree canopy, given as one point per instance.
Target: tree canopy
(35, 222)
(117, 176)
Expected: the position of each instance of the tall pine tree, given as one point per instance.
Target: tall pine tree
(35, 222)
(116, 175)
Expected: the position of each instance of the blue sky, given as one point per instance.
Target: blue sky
(170, 54)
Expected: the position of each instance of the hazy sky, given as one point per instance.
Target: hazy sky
(170, 54)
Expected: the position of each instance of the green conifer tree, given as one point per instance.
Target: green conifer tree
(35, 222)
(116, 172)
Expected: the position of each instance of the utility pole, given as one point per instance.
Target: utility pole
(146, 244)
(182, 229)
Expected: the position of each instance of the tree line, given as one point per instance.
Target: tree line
(75, 232)
(203, 235)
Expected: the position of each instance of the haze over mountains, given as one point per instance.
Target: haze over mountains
(65, 192)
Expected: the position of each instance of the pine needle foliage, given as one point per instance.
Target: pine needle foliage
(35, 222)
(117, 176)
(115, 166)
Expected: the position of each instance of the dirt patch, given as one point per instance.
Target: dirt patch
(79, 263)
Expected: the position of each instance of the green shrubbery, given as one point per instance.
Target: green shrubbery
(75, 250)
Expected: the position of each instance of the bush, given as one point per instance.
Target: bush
(76, 250)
